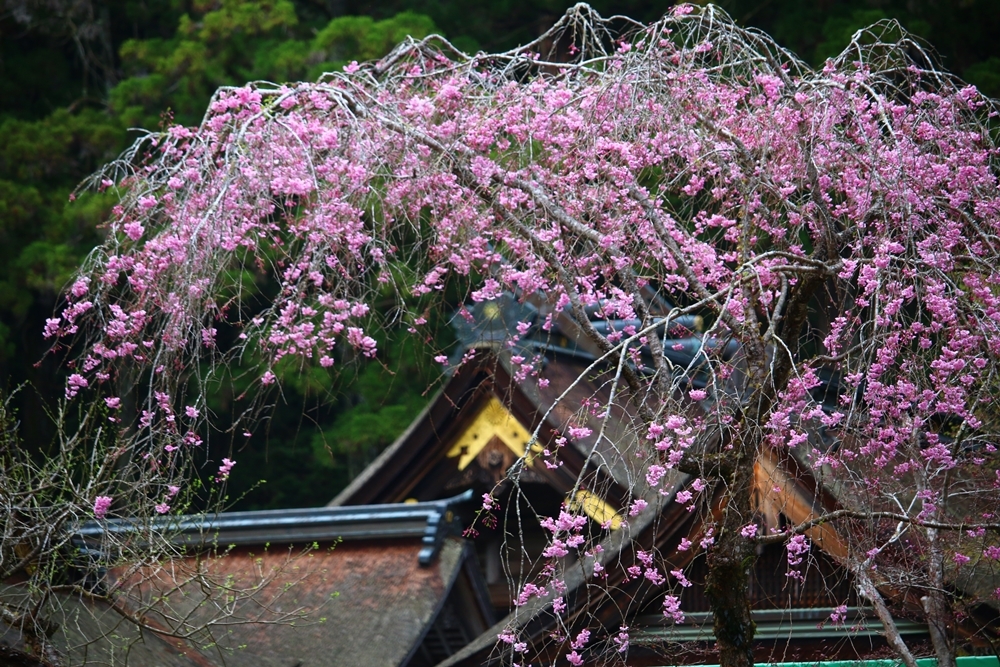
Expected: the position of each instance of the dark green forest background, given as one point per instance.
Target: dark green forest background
(77, 76)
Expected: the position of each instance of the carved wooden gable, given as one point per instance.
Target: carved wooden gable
(479, 425)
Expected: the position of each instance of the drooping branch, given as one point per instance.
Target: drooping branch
(828, 517)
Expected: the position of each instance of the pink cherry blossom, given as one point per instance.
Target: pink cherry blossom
(224, 469)
(101, 506)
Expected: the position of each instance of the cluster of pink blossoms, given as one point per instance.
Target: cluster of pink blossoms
(101, 506)
(224, 469)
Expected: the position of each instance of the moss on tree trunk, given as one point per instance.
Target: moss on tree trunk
(727, 585)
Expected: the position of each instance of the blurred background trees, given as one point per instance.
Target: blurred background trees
(78, 77)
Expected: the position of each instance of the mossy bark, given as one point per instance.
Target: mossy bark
(730, 561)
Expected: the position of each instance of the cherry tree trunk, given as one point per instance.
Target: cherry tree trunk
(730, 562)
(936, 605)
(727, 585)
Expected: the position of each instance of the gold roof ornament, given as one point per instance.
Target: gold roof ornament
(493, 420)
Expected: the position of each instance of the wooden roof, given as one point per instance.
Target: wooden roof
(478, 425)
(387, 585)
(359, 603)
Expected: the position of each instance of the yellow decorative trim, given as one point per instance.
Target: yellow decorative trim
(596, 508)
(493, 420)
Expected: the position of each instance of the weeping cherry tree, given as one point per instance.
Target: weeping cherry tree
(840, 225)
